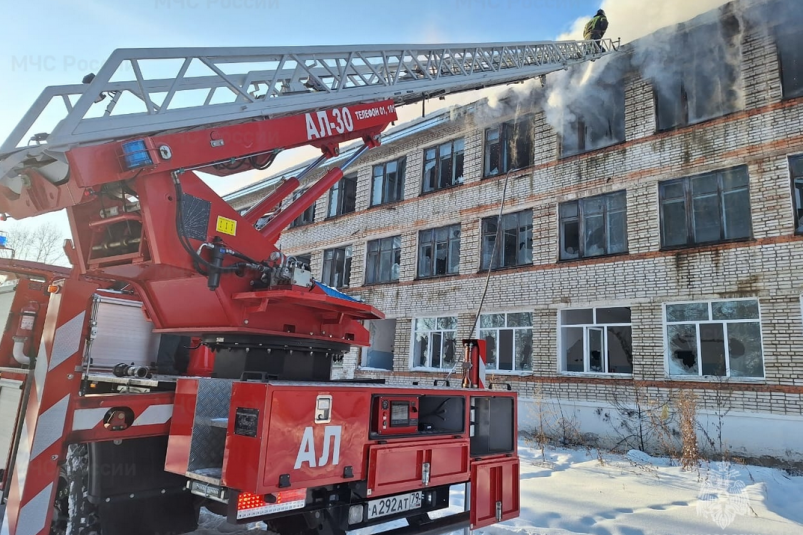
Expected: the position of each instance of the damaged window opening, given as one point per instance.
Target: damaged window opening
(717, 338)
(343, 196)
(388, 182)
(597, 340)
(707, 83)
(600, 124)
(516, 246)
(509, 341)
(383, 261)
(508, 147)
(443, 166)
(796, 167)
(439, 252)
(789, 42)
(304, 258)
(594, 226)
(308, 216)
(709, 208)
(435, 342)
(337, 267)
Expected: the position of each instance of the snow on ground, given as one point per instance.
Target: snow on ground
(577, 491)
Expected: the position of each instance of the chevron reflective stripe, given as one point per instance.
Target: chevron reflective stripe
(87, 419)
(30, 505)
(155, 414)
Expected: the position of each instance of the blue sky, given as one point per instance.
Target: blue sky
(53, 42)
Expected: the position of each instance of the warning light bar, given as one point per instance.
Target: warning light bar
(252, 505)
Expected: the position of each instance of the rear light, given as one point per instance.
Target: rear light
(252, 505)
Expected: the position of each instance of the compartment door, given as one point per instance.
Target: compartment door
(398, 468)
(494, 491)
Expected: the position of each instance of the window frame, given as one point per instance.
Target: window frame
(504, 142)
(688, 198)
(429, 367)
(348, 257)
(307, 217)
(563, 365)
(438, 163)
(616, 123)
(797, 210)
(780, 33)
(401, 169)
(340, 187)
(697, 323)
(581, 227)
(499, 234)
(378, 258)
(434, 247)
(478, 329)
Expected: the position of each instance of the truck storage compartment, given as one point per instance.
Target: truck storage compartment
(494, 491)
(493, 425)
(397, 415)
(442, 414)
(397, 468)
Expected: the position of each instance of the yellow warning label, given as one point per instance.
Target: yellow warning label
(226, 225)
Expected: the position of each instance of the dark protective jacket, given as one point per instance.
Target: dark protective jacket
(596, 27)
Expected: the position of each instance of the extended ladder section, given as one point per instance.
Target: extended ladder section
(148, 91)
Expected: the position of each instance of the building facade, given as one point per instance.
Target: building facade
(641, 240)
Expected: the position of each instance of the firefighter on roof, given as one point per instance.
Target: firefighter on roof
(595, 29)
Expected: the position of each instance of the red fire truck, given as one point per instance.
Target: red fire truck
(185, 361)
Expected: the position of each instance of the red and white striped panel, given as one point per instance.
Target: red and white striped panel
(29, 509)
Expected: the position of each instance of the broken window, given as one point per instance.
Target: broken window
(304, 258)
(435, 342)
(443, 166)
(383, 261)
(708, 208)
(508, 146)
(515, 235)
(509, 341)
(706, 83)
(596, 340)
(593, 226)
(379, 354)
(388, 182)
(790, 57)
(343, 196)
(718, 338)
(596, 121)
(337, 267)
(796, 167)
(308, 216)
(439, 251)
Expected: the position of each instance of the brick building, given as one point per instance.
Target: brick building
(649, 240)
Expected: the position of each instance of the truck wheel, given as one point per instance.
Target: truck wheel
(305, 524)
(73, 513)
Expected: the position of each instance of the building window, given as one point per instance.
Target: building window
(337, 267)
(343, 196)
(796, 167)
(508, 146)
(596, 340)
(719, 338)
(509, 341)
(594, 226)
(790, 57)
(308, 216)
(516, 240)
(709, 208)
(384, 260)
(439, 251)
(388, 182)
(443, 166)
(586, 130)
(435, 342)
(704, 85)
(304, 258)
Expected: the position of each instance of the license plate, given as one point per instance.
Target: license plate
(394, 504)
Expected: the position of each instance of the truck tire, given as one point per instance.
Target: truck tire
(73, 513)
(305, 524)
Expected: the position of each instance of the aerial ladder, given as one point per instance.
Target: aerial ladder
(265, 434)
